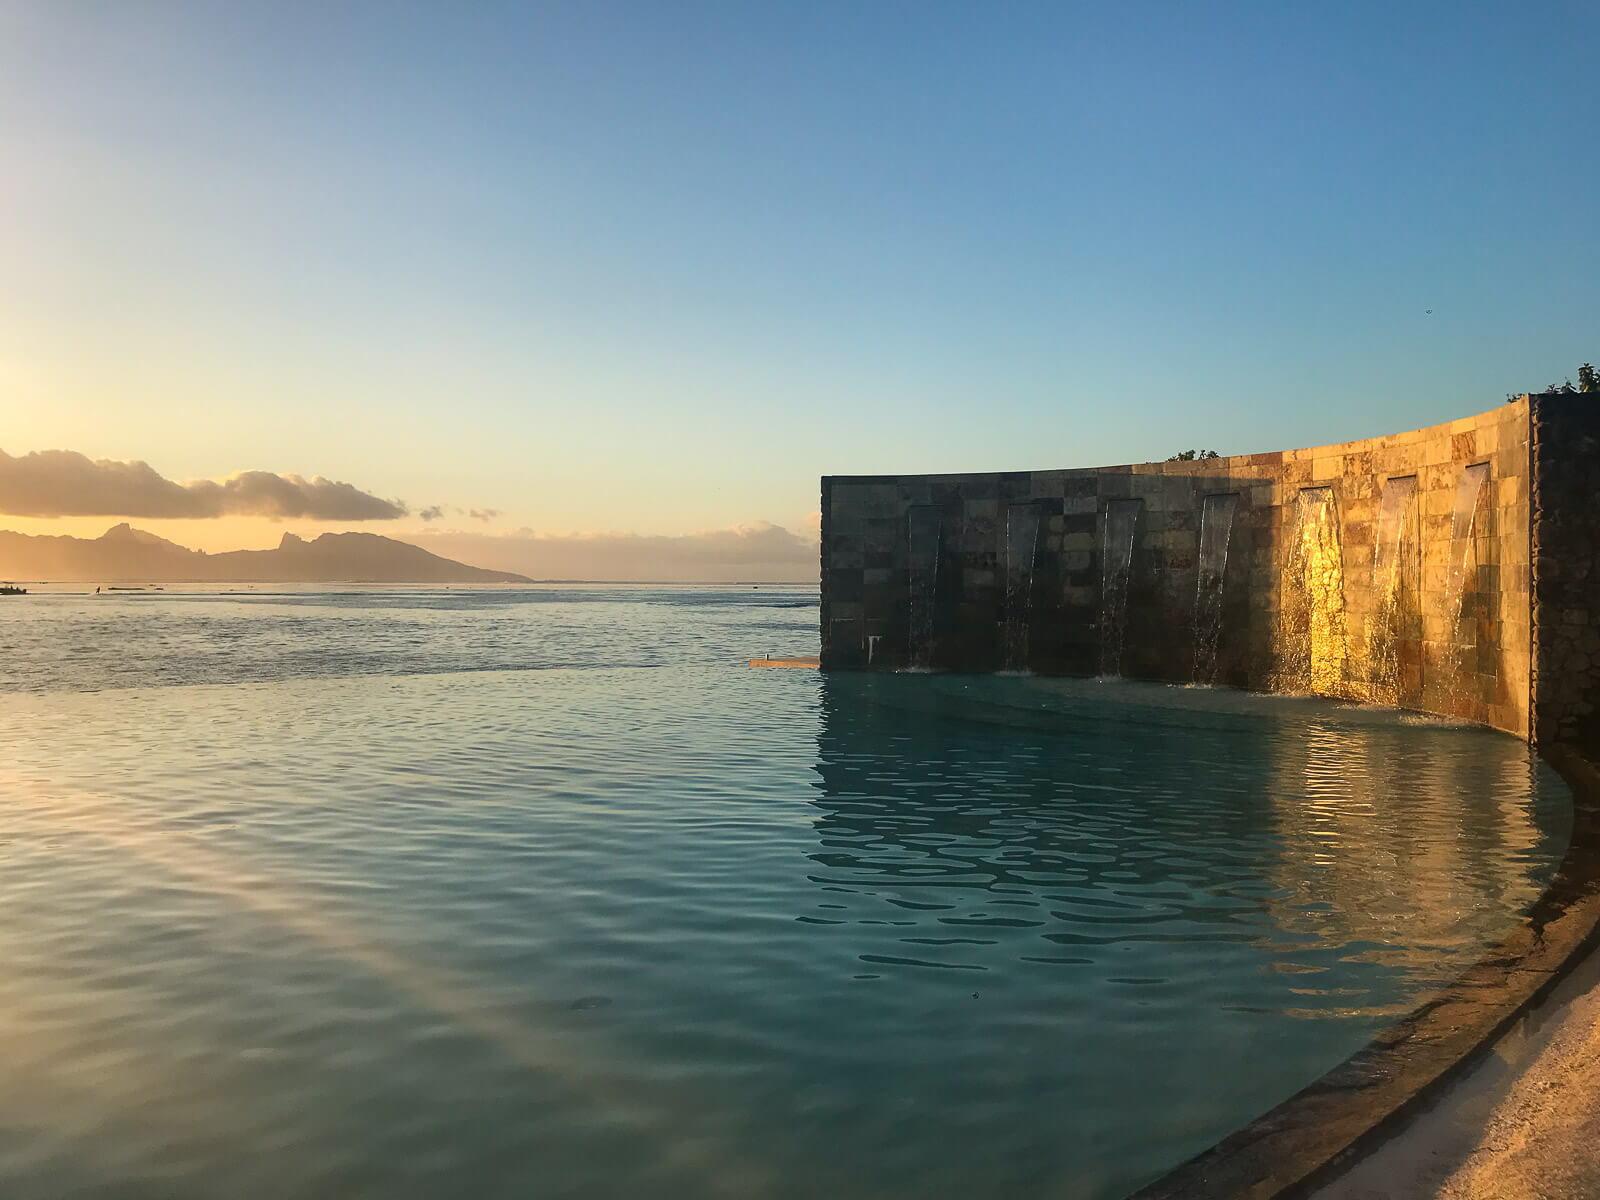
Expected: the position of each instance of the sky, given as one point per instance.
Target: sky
(558, 271)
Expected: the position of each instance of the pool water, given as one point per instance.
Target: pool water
(545, 893)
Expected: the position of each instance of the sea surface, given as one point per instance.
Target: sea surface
(543, 892)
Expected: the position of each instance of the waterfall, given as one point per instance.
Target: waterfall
(1395, 567)
(1468, 489)
(1022, 545)
(923, 525)
(1313, 615)
(1216, 528)
(1118, 526)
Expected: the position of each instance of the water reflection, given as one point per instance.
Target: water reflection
(1055, 822)
(1407, 850)
(1196, 895)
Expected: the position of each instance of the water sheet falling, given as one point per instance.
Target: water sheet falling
(1469, 489)
(1313, 646)
(1022, 547)
(1118, 527)
(923, 524)
(1216, 530)
(1393, 625)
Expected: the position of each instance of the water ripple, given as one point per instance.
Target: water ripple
(296, 928)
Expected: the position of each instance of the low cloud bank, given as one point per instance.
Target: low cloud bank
(436, 512)
(64, 483)
(758, 553)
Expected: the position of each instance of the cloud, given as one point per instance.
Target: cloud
(63, 483)
(435, 512)
(758, 553)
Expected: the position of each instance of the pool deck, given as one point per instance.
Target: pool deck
(1523, 1124)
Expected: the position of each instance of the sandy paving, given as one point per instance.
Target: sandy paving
(1523, 1125)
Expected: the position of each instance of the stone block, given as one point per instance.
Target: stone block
(1360, 511)
(840, 610)
(880, 500)
(1438, 503)
(1016, 485)
(1329, 467)
(1116, 486)
(980, 533)
(1439, 477)
(1405, 459)
(1080, 486)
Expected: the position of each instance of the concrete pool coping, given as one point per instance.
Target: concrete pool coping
(1327, 1127)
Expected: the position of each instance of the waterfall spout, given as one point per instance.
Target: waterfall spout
(1022, 546)
(1116, 562)
(923, 526)
(1469, 489)
(1216, 529)
(1314, 649)
(1393, 624)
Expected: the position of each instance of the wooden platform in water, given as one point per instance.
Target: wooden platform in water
(785, 662)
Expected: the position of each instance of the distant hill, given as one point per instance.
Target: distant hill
(125, 553)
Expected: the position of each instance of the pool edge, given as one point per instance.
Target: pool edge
(1325, 1128)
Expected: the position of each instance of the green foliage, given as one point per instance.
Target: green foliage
(1588, 381)
(1193, 456)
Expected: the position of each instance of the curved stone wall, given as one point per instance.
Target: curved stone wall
(1403, 570)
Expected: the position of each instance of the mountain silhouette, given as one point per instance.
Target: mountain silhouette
(124, 553)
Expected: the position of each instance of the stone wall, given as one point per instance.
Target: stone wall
(1394, 569)
(1565, 432)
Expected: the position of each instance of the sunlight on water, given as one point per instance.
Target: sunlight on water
(511, 919)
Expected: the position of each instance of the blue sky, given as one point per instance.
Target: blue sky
(656, 267)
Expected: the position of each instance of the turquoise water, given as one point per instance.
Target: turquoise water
(545, 893)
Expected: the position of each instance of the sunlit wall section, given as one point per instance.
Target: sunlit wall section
(1393, 570)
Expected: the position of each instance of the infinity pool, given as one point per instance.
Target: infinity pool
(694, 930)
